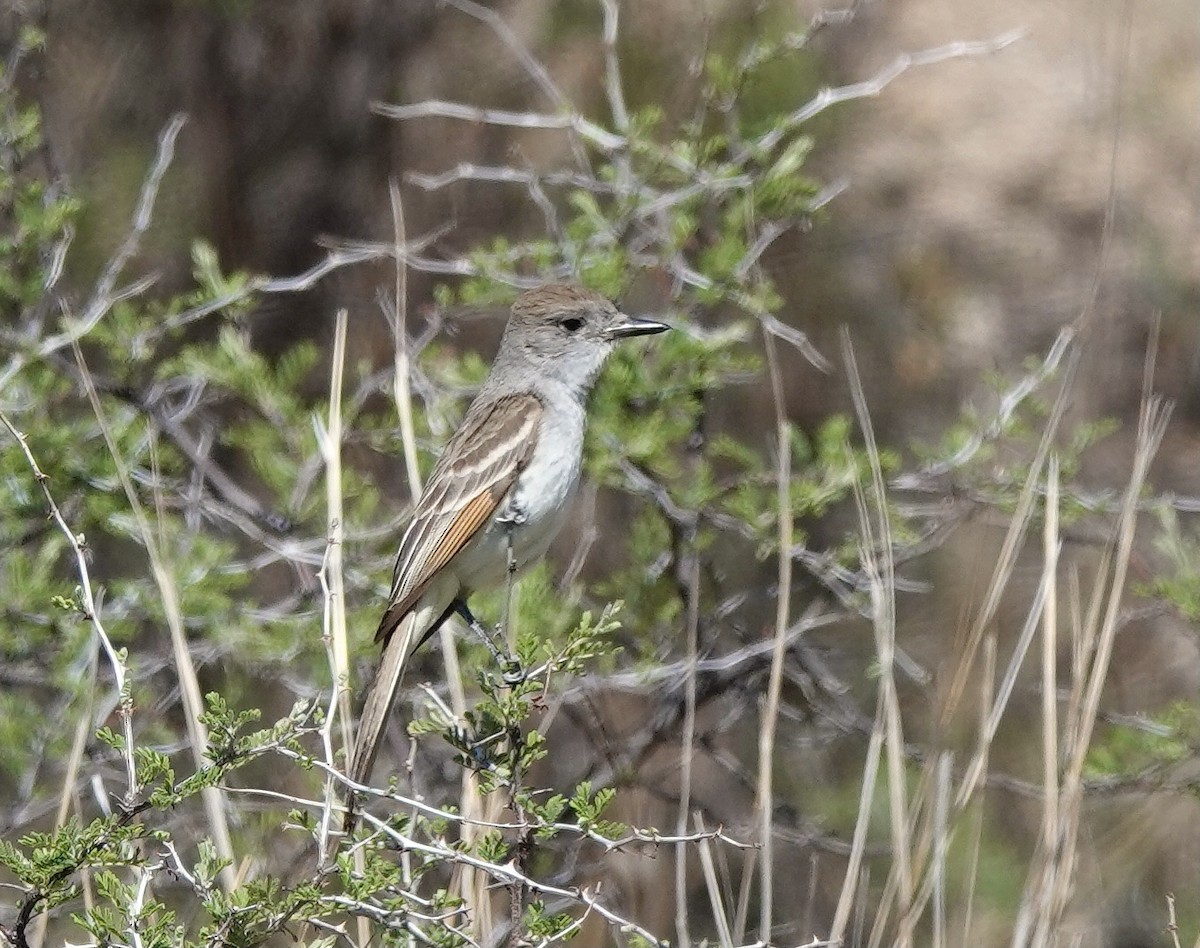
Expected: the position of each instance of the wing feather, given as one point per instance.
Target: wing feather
(469, 482)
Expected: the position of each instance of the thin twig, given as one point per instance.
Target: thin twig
(347, 254)
(91, 609)
(872, 87)
(531, 64)
(510, 874)
(105, 294)
(594, 134)
(1010, 401)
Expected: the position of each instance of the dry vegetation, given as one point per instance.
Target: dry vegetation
(859, 689)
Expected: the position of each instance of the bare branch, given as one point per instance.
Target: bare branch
(90, 604)
(869, 88)
(594, 134)
(105, 294)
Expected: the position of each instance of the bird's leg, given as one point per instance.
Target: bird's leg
(508, 586)
(488, 639)
(514, 674)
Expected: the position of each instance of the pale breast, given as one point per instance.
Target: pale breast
(536, 506)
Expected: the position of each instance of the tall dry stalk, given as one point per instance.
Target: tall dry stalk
(212, 798)
(876, 551)
(764, 798)
(1052, 875)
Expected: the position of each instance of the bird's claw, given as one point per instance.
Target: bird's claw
(513, 673)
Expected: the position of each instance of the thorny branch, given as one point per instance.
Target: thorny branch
(88, 604)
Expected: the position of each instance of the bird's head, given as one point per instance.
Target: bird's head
(567, 332)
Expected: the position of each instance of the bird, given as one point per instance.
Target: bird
(502, 487)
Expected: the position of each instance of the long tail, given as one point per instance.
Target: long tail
(380, 696)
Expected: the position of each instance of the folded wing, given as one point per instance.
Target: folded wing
(471, 479)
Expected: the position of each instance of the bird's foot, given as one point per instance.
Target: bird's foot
(513, 672)
(511, 669)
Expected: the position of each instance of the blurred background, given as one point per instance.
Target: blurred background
(972, 228)
(988, 202)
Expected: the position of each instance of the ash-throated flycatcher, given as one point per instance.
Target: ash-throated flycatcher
(501, 489)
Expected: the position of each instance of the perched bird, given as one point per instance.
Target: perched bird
(501, 489)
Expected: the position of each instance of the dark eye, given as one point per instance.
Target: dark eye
(571, 323)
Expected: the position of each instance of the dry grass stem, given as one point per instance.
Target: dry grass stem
(941, 847)
(854, 865)
(877, 536)
(1058, 872)
(332, 579)
(1051, 544)
(713, 888)
(335, 519)
(976, 841)
(401, 376)
(628, 193)
(185, 669)
(764, 804)
(1011, 546)
(687, 743)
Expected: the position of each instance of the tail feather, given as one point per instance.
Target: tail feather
(381, 694)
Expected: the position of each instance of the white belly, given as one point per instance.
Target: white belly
(536, 506)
